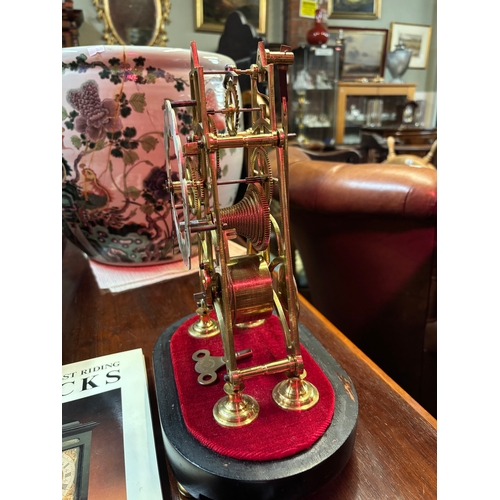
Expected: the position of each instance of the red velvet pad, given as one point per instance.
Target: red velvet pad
(276, 433)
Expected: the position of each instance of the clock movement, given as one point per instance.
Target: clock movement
(251, 404)
(76, 439)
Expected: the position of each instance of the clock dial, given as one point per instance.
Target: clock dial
(69, 473)
(76, 439)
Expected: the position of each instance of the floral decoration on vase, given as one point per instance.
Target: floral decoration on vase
(116, 206)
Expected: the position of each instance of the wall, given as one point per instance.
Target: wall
(181, 29)
(282, 15)
(401, 11)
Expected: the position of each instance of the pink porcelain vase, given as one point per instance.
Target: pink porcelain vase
(115, 204)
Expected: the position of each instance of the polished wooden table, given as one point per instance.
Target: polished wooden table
(395, 450)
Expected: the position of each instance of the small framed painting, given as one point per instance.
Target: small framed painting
(354, 9)
(364, 52)
(211, 15)
(415, 37)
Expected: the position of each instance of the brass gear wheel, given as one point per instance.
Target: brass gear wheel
(195, 191)
(232, 108)
(261, 166)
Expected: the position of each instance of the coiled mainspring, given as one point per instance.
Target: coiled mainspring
(250, 217)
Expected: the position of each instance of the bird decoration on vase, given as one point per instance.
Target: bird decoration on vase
(95, 196)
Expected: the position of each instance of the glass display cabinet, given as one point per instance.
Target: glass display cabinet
(369, 104)
(312, 88)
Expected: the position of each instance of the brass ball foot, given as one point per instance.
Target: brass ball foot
(204, 327)
(235, 409)
(295, 393)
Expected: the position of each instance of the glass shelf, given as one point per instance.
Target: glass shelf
(312, 91)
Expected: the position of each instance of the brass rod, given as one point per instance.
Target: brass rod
(244, 140)
(226, 111)
(240, 141)
(232, 70)
(182, 104)
(284, 202)
(272, 96)
(197, 226)
(279, 366)
(246, 180)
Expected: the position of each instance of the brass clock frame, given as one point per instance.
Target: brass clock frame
(243, 290)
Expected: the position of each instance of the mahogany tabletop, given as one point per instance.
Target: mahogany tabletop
(395, 452)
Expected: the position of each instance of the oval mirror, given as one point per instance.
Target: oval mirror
(134, 22)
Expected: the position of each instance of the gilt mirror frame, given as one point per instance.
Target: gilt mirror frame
(111, 36)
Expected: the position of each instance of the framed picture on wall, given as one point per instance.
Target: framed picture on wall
(354, 9)
(364, 52)
(211, 15)
(415, 37)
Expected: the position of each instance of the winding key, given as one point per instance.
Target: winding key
(206, 365)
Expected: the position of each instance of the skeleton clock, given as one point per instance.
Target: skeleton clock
(239, 300)
(76, 439)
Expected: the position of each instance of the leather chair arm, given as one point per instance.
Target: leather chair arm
(329, 187)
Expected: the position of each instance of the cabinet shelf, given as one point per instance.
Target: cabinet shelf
(337, 114)
(353, 96)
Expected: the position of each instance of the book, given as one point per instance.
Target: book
(108, 449)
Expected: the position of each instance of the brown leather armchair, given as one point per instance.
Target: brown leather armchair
(366, 234)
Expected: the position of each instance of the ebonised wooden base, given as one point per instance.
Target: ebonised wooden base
(206, 474)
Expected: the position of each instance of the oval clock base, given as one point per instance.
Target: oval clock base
(205, 474)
